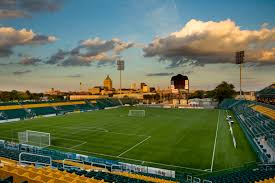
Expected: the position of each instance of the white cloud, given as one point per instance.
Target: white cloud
(10, 37)
(214, 42)
(93, 50)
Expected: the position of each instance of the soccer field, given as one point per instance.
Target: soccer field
(187, 139)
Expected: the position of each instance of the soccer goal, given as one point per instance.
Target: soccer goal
(34, 138)
(137, 113)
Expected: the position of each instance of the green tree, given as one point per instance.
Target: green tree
(198, 94)
(224, 90)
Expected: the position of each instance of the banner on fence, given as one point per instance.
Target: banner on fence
(145, 169)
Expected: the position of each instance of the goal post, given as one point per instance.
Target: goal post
(137, 113)
(34, 138)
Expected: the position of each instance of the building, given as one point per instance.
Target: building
(152, 89)
(180, 82)
(142, 85)
(52, 91)
(144, 88)
(107, 83)
(95, 90)
(84, 97)
(180, 87)
(133, 86)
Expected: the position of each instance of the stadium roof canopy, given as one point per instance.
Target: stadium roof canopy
(267, 92)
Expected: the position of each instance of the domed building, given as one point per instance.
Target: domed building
(108, 84)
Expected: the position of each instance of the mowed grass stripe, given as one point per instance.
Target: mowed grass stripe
(179, 137)
(226, 155)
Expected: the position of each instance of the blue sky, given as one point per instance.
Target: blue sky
(137, 22)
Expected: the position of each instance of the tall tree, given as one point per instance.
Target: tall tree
(224, 90)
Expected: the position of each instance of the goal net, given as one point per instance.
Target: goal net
(137, 113)
(34, 138)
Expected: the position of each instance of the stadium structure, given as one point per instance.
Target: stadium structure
(118, 140)
(267, 95)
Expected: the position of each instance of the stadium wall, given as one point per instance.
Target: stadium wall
(9, 120)
(60, 155)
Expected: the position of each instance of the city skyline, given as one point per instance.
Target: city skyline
(58, 44)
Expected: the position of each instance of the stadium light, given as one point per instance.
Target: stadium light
(240, 61)
(120, 67)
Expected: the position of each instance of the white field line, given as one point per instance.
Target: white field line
(55, 137)
(106, 131)
(89, 152)
(133, 146)
(137, 160)
(214, 149)
(79, 145)
(89, 130)
(128, 134)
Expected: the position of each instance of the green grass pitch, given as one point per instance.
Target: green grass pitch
(187, 139)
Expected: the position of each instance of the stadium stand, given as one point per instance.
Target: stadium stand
(76, 173)
(44, 174)
(259, 128)
(249, 175)
(267, 95)
(9, 154)
(124, 174)
(265, 111)
(229, 103)
(30, 109)
(43, 111)
(256, 120)
(14, 114)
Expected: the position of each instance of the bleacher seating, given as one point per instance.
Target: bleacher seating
(88, 172)
(84, 170)
(14, 113)
(43, 110)
(30, 109)
(43, 174)
(265, 111)
(270, 180)
(259, 127)
(244, 176)
(123, 174)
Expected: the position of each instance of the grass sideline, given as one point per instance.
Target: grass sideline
(179, 139)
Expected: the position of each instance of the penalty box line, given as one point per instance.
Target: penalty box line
(103, 130)
(82, 142)
(134, 146)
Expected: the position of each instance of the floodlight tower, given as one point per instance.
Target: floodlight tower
(120, 67)
(80, 86)
(240, 61)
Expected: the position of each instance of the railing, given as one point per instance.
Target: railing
(34, 162)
